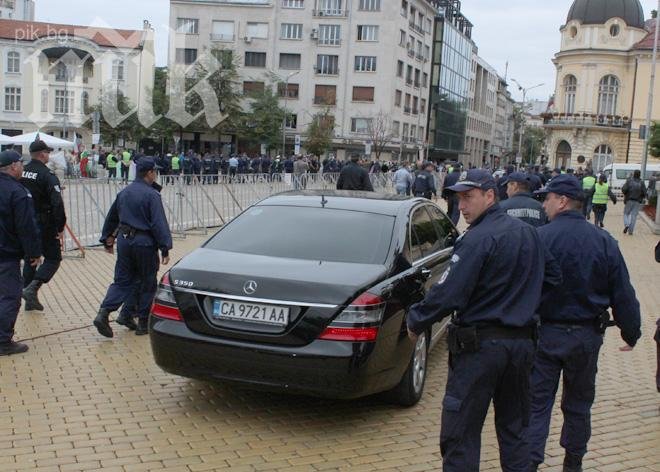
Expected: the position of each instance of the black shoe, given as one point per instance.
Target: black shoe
(625, 230)
(572, 463)
(12, 347)
(30, 296)
(102, 323)
(127, 321)
(142, 327)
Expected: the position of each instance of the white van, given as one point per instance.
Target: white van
(617, 174)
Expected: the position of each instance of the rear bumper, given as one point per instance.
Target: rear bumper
(331, 369)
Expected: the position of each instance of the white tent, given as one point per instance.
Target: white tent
(28, 138)
(5, 139)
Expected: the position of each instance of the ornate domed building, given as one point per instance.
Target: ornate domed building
(602, 85)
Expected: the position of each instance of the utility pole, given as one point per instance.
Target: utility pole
(654, 62)
(524, 91)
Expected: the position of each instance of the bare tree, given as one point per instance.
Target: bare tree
(380, 132)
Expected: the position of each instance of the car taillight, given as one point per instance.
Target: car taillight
(164, 303)
(358, 322)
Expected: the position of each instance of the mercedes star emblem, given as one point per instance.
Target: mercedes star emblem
(250, 287)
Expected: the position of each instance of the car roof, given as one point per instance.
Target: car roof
(369, 202)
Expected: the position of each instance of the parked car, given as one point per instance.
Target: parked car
(617, 174)
(307, 292)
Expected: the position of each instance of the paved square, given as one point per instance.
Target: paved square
(80, 402)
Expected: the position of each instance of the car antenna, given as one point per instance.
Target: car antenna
(323, 201)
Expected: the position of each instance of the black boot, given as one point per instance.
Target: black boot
(127, 321)
(12, 347)
(143, 327)
(30, 296)
(102, 323)
(572, 463)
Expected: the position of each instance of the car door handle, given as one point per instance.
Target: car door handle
(425, 273)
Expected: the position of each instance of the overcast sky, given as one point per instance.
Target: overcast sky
(524, 33)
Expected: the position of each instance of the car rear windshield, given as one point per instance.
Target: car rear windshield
(318, 234)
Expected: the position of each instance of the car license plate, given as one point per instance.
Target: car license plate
(252, 312)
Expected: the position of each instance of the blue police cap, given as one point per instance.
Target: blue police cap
(144, 164)
(566, 184)
(518, 177)
(8, 157)
(474, 178)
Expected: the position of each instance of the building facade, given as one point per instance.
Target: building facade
(481, 115)
(52, 74)
(602, 85)
(368, 61)
(502, 148)
(17, 10)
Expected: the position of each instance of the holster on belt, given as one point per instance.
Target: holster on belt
(603, 321)
(462, 339)
(128, 232)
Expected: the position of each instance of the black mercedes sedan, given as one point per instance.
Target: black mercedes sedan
(307, 292)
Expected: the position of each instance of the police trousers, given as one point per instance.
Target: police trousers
(136, 268)
(10, 297)
(52, 252)
(498, 373)
(573, 351)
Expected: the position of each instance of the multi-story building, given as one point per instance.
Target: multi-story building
(603, 81)
(52, 74)
(502, 147)
(367, 60)
(481, 115)
(17, 10)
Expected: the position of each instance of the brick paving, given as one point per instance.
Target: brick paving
(80, 402)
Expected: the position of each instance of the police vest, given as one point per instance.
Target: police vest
(601, 194)
(175, 163)
(126, 157)
(111, 161)
(588, 182)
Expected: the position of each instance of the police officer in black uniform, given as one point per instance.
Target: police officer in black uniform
(137, 218)
(424, 184)
(18, 229)
(354, 177)
(520, 203)
(492, 286)
(51, 219)
(573, 320)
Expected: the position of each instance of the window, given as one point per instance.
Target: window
(425, 80)
(186, 56)
(292, 121)
(222, 31)
(422, 106)
(61, 72)
(252, 88)
(397, 98)
(446, 232)
(288, 90)
(427, 53)
(84, 103)
(363, 94)
(413, 132)
(187, 25)
(396, 127)
(13, 62)
(406, 106)
(360, 125)
(424, 239)
(63, 101)
(293, 4)
(365, 63)
(330, 35)
(570, 86)
(417, 75)
(118, 69)
(325, 94)
(409, 74)
(44, 100)
(257, 30)
(255, 59)
(404, 8)
(415, 108)
(602, 157)
(608, 92)
(399, 69)
(367, 33)
(292, 31)
(404, 134)
(330, 8)
(12, 99)
(290, 61)
(369, 5)
(429, 26)
(403, 38)
(326, 64)
(615, 30)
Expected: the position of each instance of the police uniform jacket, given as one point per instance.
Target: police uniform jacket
(595, 276)
(354, 177)
(424, 184)
(495, 277)
(524, 207)
(451, 179)
(47, 194)
(139, 206)
(17, 221)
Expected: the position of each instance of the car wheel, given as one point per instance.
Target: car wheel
(410, 389)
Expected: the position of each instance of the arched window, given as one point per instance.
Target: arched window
(608, 92)
(84, 103)
(602, 157)
(61, 72)
(44, 100)
(13, 62)
(570, 87)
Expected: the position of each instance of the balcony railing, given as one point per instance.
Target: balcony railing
(406, 109)
(329, 42)
(416, 28)
(330, 12)
(585, 120)
(326, 71)
(222, 37)
(411, 53)
(324, 101)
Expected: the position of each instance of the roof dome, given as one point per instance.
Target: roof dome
(597, 12)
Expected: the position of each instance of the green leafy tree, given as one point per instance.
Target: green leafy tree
(129, 129)
(263, 122)
(533, 143)
(319, 133)
(654, 140)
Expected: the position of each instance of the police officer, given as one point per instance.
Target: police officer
(493, 286)
(354, 177)
(520, 203)
(573, 320)
(138, 219)
(450, 197)
(17, 239)
(424, 184)
(45, 188)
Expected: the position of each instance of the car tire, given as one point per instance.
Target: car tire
(410, 389)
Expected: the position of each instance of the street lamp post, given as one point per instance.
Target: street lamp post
(522, 116)
(286, 97)
(654, 62)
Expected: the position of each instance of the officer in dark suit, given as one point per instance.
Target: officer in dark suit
(520, 203)
(51, 219)
(450, 197)
(137, 218)
(424, 184)
(354, 177)
(574, 318)
(18, 229)
(493, 287)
